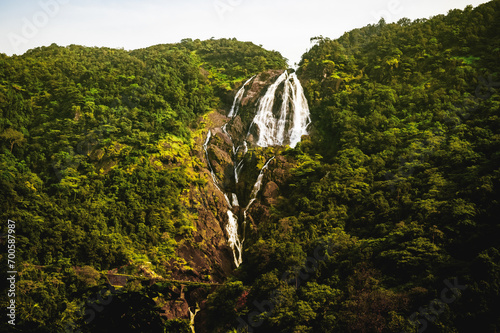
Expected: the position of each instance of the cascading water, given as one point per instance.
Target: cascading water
(235, 200)
(264, 119)
(232, 224)
(301, 118)
(205, 147)
(237, 169)
(275, 126)
(234, 241)
(293, 119)
(257, 185)
(238, 98)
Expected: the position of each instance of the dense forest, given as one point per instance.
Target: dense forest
(398, 182)
(96, 157)
(388, 213)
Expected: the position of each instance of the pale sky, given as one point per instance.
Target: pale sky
(282, 25)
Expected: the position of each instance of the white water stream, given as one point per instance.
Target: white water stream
(285, 128)
(293, 118)
(238, 98)
(234, 240)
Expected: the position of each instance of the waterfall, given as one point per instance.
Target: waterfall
(281, 125)
(235, 200)
(301, 118)
(278, 121)
(233, 238)
(293, 114)
(237, 170)
(245, 147)
(237, 99)
(264, 119)
(224, 130)
(228, 201)
(232, 226)
(192, 317)
(258, 184)
(205, 147)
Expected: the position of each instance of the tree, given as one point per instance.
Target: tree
(14, 137)
(127, 312)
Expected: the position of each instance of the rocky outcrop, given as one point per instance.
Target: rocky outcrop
(270, 193)
(184, 302)
(176, 309)
(258, 84)
(205, 256)
(222, 164)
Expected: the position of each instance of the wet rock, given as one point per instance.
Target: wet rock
(258, 85)
(222, 165)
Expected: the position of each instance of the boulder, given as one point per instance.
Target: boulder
(270, 193)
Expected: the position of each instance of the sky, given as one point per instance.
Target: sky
(282, 25)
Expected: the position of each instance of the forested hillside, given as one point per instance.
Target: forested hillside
(385, 218)
(96, 162)
(399, 180)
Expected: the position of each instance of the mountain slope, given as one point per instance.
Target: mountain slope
(102, 167)
(399, 180)
(117, 167)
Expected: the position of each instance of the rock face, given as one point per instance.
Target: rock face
(258, 84)
(207, 255)
(184, 303)
(176, 309)
(239, 165)
(270, 193)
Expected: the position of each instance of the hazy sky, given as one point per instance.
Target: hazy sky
(282, 25)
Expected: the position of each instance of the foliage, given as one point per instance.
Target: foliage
(96, 156)
(401, 171)
(393, 195)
